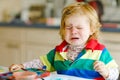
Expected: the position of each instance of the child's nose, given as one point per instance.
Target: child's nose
(74, 30)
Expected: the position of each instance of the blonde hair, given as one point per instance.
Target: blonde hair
(81, 8)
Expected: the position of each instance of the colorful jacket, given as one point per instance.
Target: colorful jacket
(82, 66)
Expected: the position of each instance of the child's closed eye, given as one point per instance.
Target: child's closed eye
(68, 27)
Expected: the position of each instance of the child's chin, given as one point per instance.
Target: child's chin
(75, 44)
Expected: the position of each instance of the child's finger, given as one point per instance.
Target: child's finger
(15, 67)
(98, 65)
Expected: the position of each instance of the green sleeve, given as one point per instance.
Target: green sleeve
(48, 60)
(108, 59)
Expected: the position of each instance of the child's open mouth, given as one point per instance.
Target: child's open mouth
(75, 38)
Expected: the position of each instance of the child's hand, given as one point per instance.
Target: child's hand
(100, 67)
(15, 67)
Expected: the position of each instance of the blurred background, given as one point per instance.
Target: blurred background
(30, 28)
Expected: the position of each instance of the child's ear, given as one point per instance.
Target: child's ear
(91, 32)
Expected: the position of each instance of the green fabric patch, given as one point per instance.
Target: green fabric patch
(78, 64)
(50, 56)
(83, 64)
(105, 56)
(62, 65)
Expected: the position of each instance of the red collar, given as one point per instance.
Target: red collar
(94, 45)
(91, 44)
(60, 47)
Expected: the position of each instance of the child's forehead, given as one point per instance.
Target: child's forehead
(77, 20)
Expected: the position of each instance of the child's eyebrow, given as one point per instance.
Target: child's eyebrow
(69, 24)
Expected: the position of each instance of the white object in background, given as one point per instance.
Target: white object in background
(25, 15)
(48, 10)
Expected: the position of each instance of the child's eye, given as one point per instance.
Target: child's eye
(68, 27)
(79, 27)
